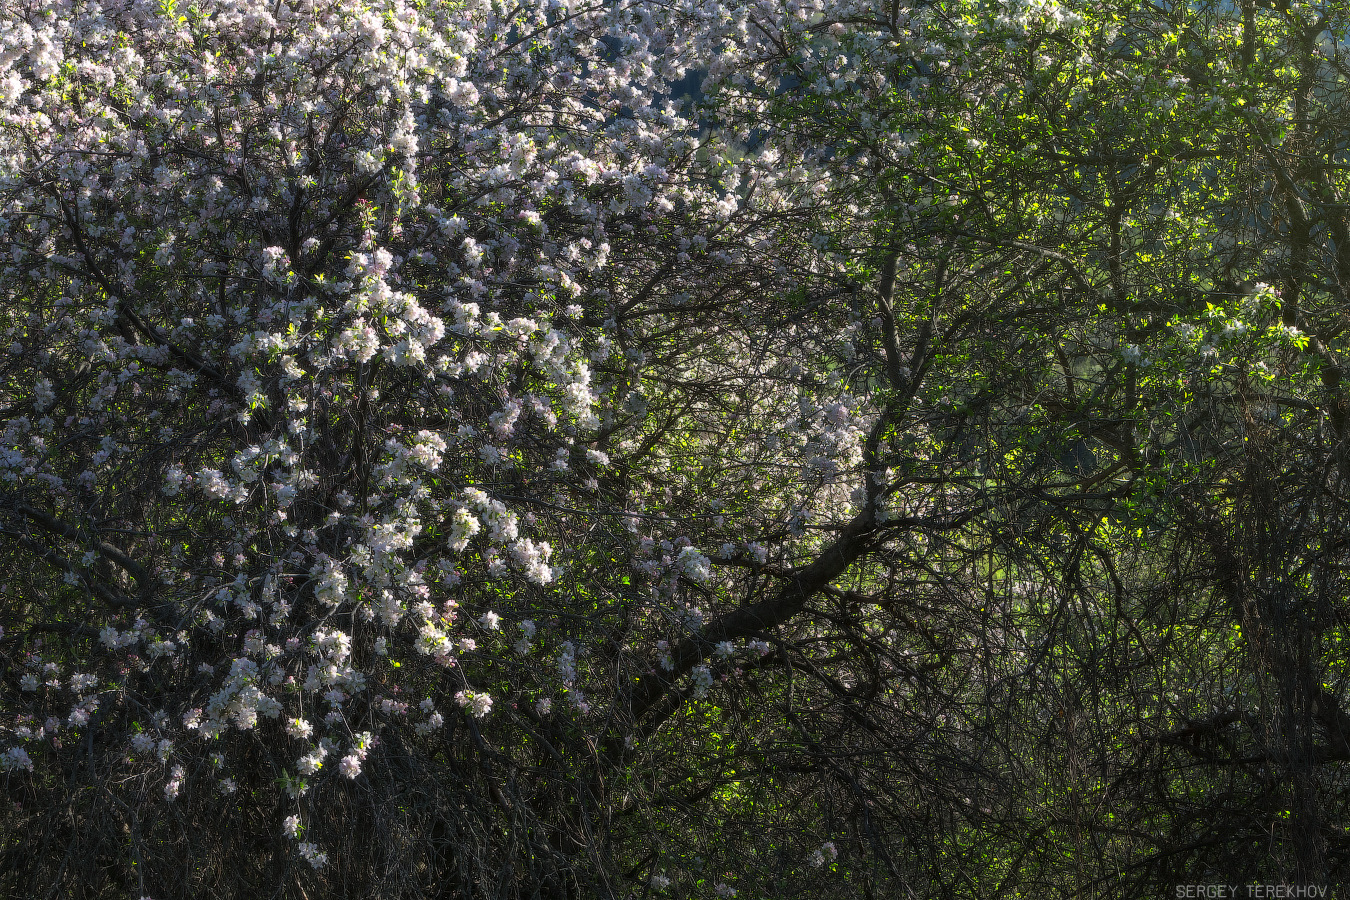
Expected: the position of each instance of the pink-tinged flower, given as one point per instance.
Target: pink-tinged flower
(350, 766)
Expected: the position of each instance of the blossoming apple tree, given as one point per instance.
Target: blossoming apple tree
(368, 381)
